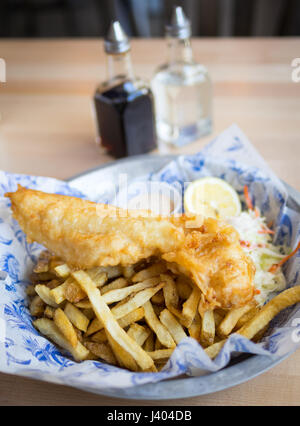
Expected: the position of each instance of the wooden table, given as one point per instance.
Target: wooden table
(47, 129)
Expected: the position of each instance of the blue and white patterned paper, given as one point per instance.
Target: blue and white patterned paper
(24, 351)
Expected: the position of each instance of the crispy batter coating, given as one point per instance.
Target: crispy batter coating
(86, 234)
(212, 256)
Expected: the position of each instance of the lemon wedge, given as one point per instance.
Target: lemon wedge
(212, 197)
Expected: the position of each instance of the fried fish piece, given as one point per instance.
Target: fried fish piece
(86, 234)
(214, 259)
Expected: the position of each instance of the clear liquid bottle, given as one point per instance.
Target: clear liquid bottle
(182, 89)
(124, 104)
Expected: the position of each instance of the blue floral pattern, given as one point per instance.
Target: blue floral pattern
(231, 157)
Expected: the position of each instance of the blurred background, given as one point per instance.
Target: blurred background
(146, 18)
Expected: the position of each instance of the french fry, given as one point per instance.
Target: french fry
(45, 294)
(231, 319)
(132, 317)
(213, 350)
(138, 333)
(114, 285)
(207, 334)
(89, 313)
(98, 276)
(160, 364)
(152, 271)
(99, 337)
(171, 296)
(258, 336)
(80, 305)
(157, 345)
(282, 301)
(218, 318)
(183, 288)
(73, 293)
(158, 298)
(261, 320)
(30, 290)
(53, 263)
(58, 293)
(138, 300)
(149, 343)
(128, 271)
(195, 327)
(41, 277)
(246, 317)
(64, 325)
(157, 308)
(161, 354)
(101, 350)
(53, 284)
(170, 292)
(170, 322)
(120, 294)
(189, 308)
(114, 332)
(97, 327)
(159, 329)
(110, 271)
(49, 329)
(84, 304)
(62, 271)
(42, 265)
(79, 335)
(49, 312)
(45, 254)
(125, 360)
(76, 317)
(37, 307)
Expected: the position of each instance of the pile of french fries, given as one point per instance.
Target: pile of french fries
(135, 316)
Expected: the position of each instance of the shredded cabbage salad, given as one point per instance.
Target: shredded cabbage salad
(256, 240)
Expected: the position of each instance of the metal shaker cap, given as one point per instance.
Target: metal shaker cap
(116, 40)
(180, 26)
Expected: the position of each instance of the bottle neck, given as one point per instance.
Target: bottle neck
(119, 68)
(180, 50)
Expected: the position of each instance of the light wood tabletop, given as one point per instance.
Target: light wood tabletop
(47, 129)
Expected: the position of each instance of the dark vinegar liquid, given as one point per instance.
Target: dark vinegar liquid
(125, 117)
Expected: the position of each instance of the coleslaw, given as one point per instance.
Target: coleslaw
(256, 240)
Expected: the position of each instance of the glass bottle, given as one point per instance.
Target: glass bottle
(182, 89)
(124, 105)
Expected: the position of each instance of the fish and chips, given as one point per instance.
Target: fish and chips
(126, 288)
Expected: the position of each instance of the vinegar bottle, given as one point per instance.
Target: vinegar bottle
(124, 104)
(182, 88)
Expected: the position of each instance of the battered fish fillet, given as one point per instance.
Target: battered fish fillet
(86, 234)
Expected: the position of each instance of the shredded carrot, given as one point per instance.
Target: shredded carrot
(257, 212)
(247, 198)
(257, 291)
(270, 224)
(266, 231)
(285, 259)
(245, 243)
